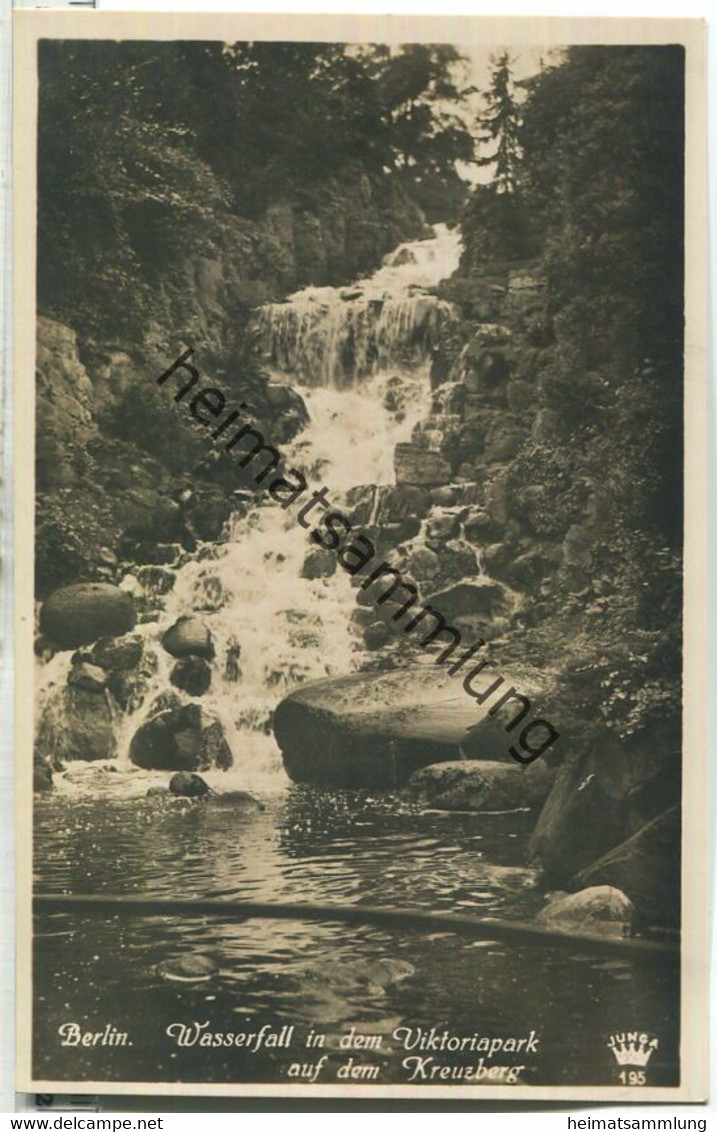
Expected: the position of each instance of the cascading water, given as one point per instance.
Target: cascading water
(362, 356)
(331, 337)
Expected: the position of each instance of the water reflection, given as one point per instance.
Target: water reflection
(321, 846)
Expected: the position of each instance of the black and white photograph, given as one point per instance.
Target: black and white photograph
(361, 393)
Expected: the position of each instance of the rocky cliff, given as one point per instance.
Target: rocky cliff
(339, 231)
(548, 524)
(342, 232)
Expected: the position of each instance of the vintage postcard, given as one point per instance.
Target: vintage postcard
(361, 417)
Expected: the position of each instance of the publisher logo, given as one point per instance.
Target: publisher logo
(632, 1048)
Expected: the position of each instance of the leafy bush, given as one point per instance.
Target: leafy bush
(59, 556)
(150, 418)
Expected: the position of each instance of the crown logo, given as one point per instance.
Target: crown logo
(632, 1049)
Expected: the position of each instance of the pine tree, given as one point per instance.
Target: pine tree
(501, 125)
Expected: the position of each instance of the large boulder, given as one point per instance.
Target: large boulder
(579, 821)
(206, 512)
(192, 674)
(183, 738)
(600, 798)
(482, 597)
(369, 730)
(502, 443)
(319, 563)
(80, 614)
(216, 752)
(41, 776)
(479, 527)
(423, 564)
(599, 908)
(388, 536)
(129, 686)
(87, 676)
(481, 786)
(77, 723)
(443, 527)
(420, 466)
(484, 369)
(646, 867)
(118, 654)
(286, 400)
(404, 501)
(488, 740)
(376, 635)
(184, 784)
(189, 636)
(376, 729)
(187, 969)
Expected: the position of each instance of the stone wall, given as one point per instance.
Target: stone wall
(492, 523)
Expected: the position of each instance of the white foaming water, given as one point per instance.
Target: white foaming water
(352, 434)
(418, 264)
(422, 263)
(250, 590)
(335, 336)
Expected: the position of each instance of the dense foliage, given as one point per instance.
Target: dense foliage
(603, 176)
(497, 222)
(597, 190)
(501, 122)
(419, 92)
(147, 150)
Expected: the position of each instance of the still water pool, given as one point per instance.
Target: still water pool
(327, 981)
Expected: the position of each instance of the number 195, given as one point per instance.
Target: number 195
(633, 1077)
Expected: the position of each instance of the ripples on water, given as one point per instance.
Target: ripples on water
(321, 846)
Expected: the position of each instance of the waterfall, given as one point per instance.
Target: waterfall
(361, 356)
(335, 337)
